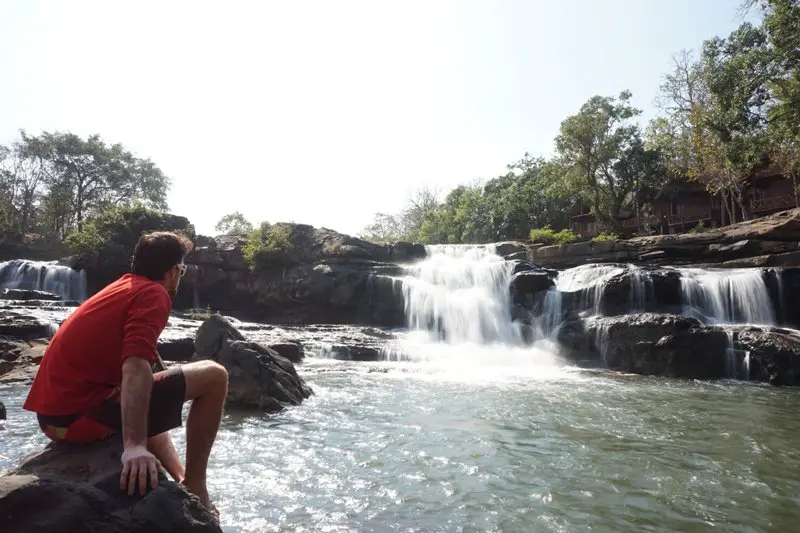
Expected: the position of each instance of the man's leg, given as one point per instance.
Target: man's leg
(207, 388)
(161, 446)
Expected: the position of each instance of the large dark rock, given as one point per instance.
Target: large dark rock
(526, 285)
(257, 376)
(29, 294)
(773, 354)
(682, 347)
(634, 289)
(3, 414)
(75, 488)
(323, 276)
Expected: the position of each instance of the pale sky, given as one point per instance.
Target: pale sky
(325, 112)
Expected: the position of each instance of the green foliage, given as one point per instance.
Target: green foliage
(268, 246)
(234, 224)
(113, 232)
(603, 237)
(52, 183)
(547, 235)
(699, 228)
(86, 241)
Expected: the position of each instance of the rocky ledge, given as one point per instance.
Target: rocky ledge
(678, 346)
(68, 487)
(765, 242)
(326, 278)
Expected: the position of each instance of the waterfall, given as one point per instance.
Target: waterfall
(43, 276)
(727, 296)
(591, 280)
(460, 294)
(641, 291)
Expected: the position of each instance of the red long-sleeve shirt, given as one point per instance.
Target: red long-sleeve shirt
(83, 362)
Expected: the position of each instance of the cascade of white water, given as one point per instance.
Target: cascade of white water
(641, 291)
(460, 294)
(727, 296)
(591, 280)
(43, 276)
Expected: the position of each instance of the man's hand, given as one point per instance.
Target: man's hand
(137, 464)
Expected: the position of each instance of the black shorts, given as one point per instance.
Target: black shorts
(166, 405)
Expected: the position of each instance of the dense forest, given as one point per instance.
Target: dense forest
(727, 110)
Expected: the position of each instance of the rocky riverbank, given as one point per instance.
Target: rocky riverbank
(771, 241)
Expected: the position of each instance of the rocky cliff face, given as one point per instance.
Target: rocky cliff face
(765, 242)
(334, 278)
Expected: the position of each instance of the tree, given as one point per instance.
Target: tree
(732, 125)
(91, 175)
(234, 224)
(595, 147)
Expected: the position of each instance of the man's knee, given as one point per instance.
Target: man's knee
(203, 377)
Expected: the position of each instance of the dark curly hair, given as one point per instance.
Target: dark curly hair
(157, 252)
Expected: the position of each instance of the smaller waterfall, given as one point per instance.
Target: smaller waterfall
(727, 296)
(641, 289)
(591, 280)
(43, 276)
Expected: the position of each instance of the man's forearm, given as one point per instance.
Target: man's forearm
(137, 382)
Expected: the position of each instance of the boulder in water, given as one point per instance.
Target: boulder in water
(772, 354)
(258, 376)
(75, 487)
(682, 347)
(29, 294)
(3, 414)
(526, 285)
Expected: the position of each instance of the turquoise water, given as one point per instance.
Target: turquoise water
(415, 447)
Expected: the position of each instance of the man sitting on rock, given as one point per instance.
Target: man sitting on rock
(96, 377)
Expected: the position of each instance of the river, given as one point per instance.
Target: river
(407, 447)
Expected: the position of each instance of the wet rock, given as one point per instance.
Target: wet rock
(293, 351)
(179, 349)
(19, 359)
(526, 285)
(257, 375)
(523, 266)
(28, 294)
(3, 414)
(508, 248)
(682, 347)
(22, 326)
(773, 354)
(72, 487)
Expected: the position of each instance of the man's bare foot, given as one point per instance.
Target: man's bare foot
(200, 491)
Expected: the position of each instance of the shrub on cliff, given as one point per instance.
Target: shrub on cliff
(547, 235)
(117, 229)
(270, 245)
(602, 237)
